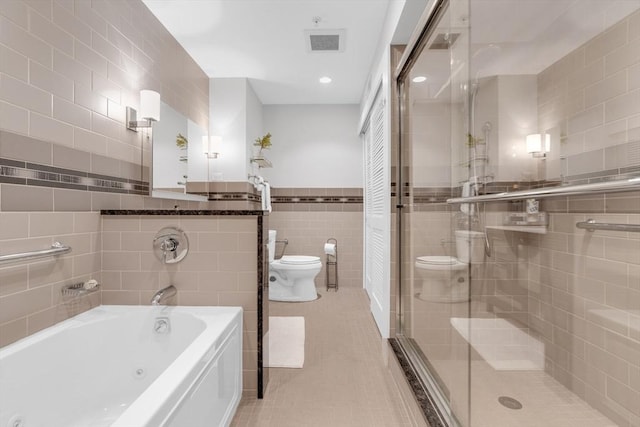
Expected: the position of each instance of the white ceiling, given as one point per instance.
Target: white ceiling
(263, 40)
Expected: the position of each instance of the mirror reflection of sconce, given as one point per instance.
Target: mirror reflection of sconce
(538, 145)
(211, 146)
(149, 111)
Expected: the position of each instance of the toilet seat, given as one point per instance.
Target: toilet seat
(299, 260)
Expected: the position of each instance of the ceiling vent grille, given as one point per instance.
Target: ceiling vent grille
(324, 40)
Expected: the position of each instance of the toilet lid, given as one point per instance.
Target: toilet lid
(299, 259)
(437, 260)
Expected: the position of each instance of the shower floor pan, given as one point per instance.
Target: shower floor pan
(501, 344)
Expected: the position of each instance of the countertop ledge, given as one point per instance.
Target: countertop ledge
(184, 212)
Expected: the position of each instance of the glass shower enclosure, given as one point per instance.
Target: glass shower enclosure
(518, 220)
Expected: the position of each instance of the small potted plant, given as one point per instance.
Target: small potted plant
(264, 143)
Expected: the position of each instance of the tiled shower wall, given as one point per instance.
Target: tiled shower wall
(584, 301)
(590, 101)
(584, 287)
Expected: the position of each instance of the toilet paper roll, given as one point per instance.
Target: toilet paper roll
(330, 249)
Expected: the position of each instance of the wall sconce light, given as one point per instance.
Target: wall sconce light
(211, 146)
(149, 111)
(538, 145)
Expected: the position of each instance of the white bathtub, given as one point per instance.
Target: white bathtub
(109, 367)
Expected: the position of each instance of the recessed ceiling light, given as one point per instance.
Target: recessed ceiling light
(419, 79)
(325, 79)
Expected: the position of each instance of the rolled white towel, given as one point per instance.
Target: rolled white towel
(266, 197)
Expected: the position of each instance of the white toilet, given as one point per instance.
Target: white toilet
(445, 278)
(291, 278)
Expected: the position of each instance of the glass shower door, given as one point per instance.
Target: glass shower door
(435, 284)
(512, 313)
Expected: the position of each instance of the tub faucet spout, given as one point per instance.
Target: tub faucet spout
(163, 295)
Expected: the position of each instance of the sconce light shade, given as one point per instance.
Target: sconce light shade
(538, 145)
(149, 111)
(211, 146)
(150, 105)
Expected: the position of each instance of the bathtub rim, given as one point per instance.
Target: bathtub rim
(219, 320)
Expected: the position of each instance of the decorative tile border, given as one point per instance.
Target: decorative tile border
(26, 173)
(179, 212)
(420, 392)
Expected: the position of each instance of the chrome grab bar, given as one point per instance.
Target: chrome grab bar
(570, 190)
(56, 249)
(592, 225)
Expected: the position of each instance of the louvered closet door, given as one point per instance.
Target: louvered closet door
(377, 215)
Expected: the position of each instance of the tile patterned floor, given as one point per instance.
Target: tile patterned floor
(344, 381)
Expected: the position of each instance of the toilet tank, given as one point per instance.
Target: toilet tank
(271, 244)
(469, 246)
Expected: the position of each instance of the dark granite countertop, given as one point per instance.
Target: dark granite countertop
(185, 212)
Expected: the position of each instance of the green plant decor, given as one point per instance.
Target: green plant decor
(263, 143)
(181, 141)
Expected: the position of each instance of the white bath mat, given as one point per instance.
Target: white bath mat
(286, 342)
(501, 344)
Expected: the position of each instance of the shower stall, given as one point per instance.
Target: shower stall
(519, 124)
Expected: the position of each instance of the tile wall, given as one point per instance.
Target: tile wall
(308, 217)
(590, 102)
(220, 268)
(68, 69)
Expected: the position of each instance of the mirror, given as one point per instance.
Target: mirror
(177, 155)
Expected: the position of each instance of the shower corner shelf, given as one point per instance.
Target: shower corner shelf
(535, 229)
(261, 162)
(78, 290)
